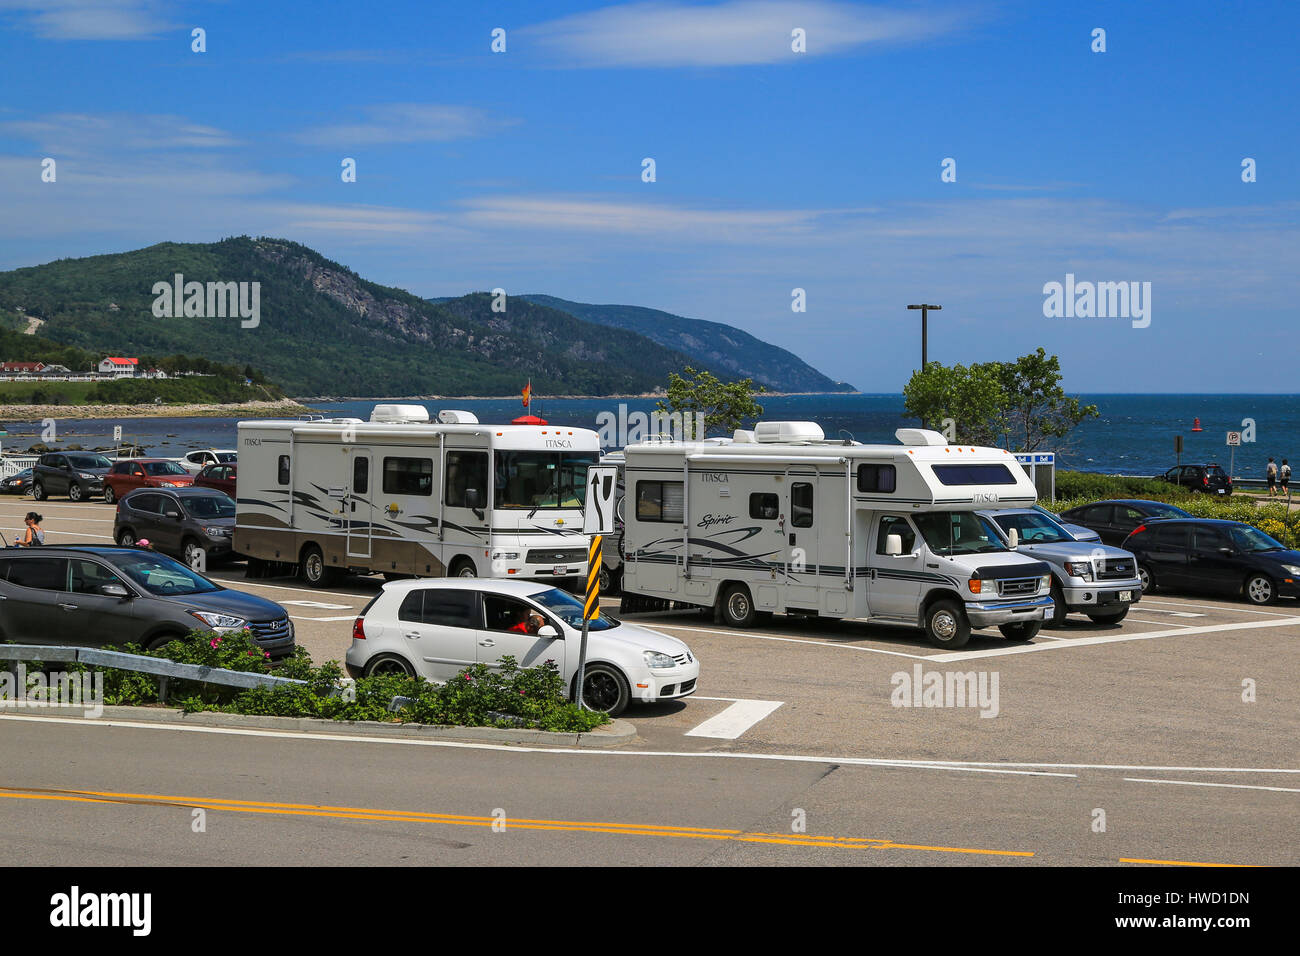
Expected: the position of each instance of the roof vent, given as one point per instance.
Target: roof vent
(400, 414)
(919, 436)
(740, 436)
(786, 432)
(453, 416)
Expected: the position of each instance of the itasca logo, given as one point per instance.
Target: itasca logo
(74, 909)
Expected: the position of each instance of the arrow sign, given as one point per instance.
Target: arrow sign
(598, 514)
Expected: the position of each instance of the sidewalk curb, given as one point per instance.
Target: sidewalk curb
(615, 734)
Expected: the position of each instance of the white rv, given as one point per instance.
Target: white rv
(406, 496)
(780, 519)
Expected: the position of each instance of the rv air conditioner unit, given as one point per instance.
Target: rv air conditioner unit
(785, 432)
(454, 417)
(742, 437)
(919, 436)
(400, 414)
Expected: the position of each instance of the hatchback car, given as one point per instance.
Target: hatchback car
(126, 476)
(436, 628)
(195, 461)
(1209, 555)
(75, 474)
(1115, 520)
(95, 596)
(18, 484)
(221, 477)
(186, 522)
(1209, 478)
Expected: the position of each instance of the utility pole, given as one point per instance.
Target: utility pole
(925, 316)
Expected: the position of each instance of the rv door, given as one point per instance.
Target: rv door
(802, 556)
(358, 512)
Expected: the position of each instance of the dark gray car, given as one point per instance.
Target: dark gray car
(79, 475)
(194, 524)
(95, 596)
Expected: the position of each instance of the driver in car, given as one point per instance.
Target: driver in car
(530, 622)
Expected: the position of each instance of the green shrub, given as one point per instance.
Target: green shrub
(1093, 487)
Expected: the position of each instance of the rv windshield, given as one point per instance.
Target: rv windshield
(541, 479)
(957, 532)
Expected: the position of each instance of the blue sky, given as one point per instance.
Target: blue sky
(775, 170)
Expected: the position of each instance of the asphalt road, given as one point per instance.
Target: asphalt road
(1145, 721)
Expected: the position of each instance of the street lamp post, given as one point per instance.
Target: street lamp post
(925, 315)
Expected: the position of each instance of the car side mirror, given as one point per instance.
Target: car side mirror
(114, 590)
(1013, 539)
(893, 545)
(547, 630)
(174, 515)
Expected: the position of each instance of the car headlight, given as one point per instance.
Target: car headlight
(1045, 582)
(1292, 569)
(505, 555)
(1080, 569)
(220, 621)
(656, 660)
(216, 532)
(977, 585)
(167, 484)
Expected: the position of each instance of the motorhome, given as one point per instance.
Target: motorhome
(404, 495)
(781, 520)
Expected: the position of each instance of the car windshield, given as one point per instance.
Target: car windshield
(227, 457)
(160, 575)
(1252, 539)
(208, 506)
(89, 461)
(163, 468)
(958, 532)
(1166, 511)
(541, 479)
(569, 609)
(1032, 527)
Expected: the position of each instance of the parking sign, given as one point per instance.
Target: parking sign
(1234, 438)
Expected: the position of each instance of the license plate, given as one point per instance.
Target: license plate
(1047, 614)
(1126, 595)
(560, 569)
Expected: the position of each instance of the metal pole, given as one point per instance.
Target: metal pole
(590, 609)
(925, 316)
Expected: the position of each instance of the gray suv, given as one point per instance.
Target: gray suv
(79, 475)
(1087, 577)
(95, 596)
(194, 524)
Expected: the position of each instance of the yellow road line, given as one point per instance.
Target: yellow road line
(415, 816)
(1182, 863)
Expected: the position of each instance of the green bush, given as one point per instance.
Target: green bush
(1093, 487)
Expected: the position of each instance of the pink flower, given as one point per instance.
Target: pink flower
(266, 654)
(214, 642)
(467, 677)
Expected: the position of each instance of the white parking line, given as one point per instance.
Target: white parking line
(1200, 783)
(735, 720)
(1158, 610)
(789, 640)
(1212, 607)
(244, 582)
(350, 617)
(1160, 623)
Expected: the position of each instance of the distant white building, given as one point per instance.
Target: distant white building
(153, 373)
(119, 367)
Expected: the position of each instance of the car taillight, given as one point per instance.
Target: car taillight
(358, 630)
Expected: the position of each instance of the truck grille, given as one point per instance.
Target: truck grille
(269, 632)
(1013, 587)
(1113, 568)
(556, 556)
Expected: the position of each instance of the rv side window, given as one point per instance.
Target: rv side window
(408, 476)
(763, 506)
(466, 471)
(360, 475)
(801, 504)
(659, 501)
(974, 474)
(283, 476)
(892, 524)
(877, 478)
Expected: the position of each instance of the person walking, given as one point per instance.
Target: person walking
(35, 535)
(1270, 475)
(1284, 478)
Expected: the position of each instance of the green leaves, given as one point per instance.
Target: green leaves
(724, 405)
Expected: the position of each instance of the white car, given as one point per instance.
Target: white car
(195, 461)
(436, 627)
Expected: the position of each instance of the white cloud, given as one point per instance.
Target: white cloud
(87, 19)
(406, 123)
(84, 134)
(733, 33)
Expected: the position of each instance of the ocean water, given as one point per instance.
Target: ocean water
(1134, 434)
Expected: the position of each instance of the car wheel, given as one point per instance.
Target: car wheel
(946, 624)
(1260, 589)
(126, 538)
(738, 607)
(109, 495)
(1020, 631)
(74, 492)
(606, 580)
(1112, 617)
(463, 568)
(1059, 609)
(382, 664)
(157, 642)
(38, 491)
(605, 689)
(1147, 578)
(313, 570)
(191, 549)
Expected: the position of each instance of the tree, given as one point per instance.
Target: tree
(1017, 403)
(724, 405)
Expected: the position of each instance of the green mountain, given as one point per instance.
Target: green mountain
(324, 330)
(726, 350)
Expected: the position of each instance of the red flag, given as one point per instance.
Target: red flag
(528, 393)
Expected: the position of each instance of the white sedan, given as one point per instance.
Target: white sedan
(436, 627)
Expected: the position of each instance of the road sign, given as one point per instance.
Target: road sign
(598, 515)
(117, 433)
(1234, 438)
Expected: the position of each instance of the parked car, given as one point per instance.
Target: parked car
(178, 521)
(221, 477)
(132, 473)
(79, 475)
(1211, 555)
(436, 628)
(1077, 531)
(194, 461)
(1087, 577)
(1114, 520)
(18, 484)
(97, 596)
(1208, 478)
